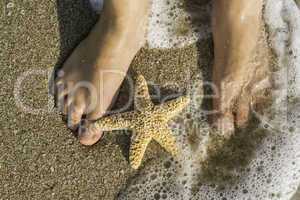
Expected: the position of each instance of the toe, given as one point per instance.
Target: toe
(224, 124)
(242, 111)
(261, 97)
(64, 97)
(223, 119)
(66, 105)
(58, 85)
(76, 108)
(88, 134)
(61, 91)
(75, 115)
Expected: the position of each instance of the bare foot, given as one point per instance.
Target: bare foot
(241, 60)
(92, 75)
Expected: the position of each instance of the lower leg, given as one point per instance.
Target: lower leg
(236, 31)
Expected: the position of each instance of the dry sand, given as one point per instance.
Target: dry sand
(39, 157)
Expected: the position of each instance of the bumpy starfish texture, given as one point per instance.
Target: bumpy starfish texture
(147, 122)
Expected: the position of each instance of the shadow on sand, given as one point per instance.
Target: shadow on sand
(76, 19)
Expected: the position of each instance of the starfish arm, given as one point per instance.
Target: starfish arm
(139, 143)
(115, 122)
(173, 107)
(142, 96)
(167, 140)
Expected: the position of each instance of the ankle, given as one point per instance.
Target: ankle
(118, 14)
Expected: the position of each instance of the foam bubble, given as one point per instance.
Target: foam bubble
(170, 25)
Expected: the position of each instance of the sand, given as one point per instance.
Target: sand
(39, 157)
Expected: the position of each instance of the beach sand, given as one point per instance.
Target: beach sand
(39, 157)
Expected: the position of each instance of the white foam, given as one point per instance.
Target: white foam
(170, 26)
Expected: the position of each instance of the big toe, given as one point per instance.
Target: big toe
(88, 134)
(224, 124)
(242, 113)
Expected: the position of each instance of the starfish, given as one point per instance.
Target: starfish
(147, 121)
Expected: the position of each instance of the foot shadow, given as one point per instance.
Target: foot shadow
(76, 19)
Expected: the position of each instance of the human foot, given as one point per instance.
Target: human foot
(240, 91)
(92, 75)
(241, 61)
